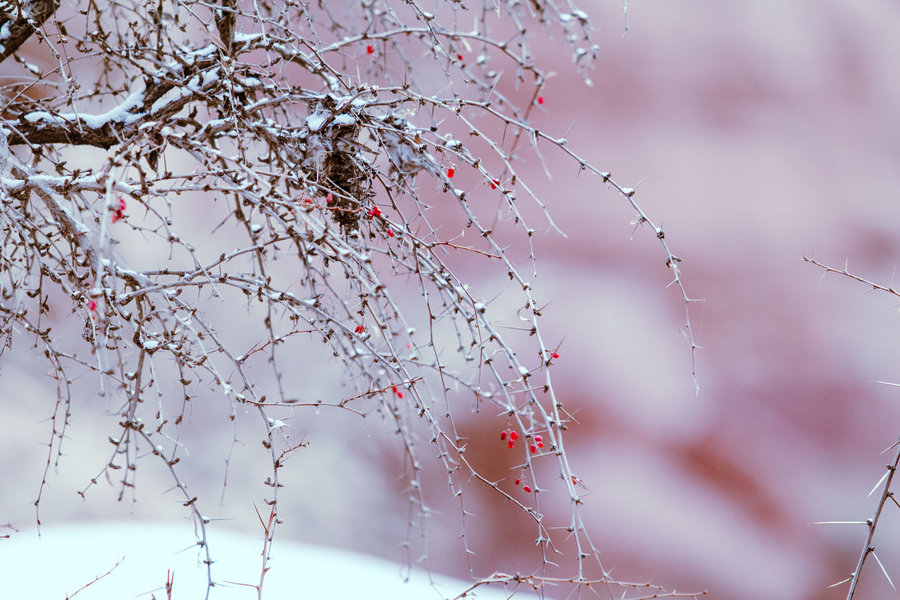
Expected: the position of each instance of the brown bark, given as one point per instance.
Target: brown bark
(22, 18)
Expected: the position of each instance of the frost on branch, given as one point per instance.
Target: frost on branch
(230, 200)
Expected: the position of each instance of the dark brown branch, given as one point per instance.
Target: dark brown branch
(226, 17)
(40, 127)
(22, 21)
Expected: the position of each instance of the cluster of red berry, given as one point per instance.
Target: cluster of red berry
(119, 213)
(525, 488)
(511, 434)
(376, 212)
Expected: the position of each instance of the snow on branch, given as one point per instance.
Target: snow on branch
(228, 204)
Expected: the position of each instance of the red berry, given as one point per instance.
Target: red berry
(92, 305)
(540, 444)
(527, 488)
(370, 49)
(518, 481)
(119, 212)
(556, 355)
(360, 328)
(494, 184)
(329, 198)
(502, 435)
(459, 57)
(533, 448)
(510, 444)
(538, 438)
(540, 99)
(390, 233)
(513, 435)
(450, 172)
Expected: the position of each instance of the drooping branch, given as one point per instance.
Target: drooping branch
(318, 141)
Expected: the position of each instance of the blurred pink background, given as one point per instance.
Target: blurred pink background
(756, 134)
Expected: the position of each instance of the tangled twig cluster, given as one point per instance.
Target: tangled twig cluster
(279, 159)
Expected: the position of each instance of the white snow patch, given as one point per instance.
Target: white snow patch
(64, 558)
(315, 121)
(344, 119)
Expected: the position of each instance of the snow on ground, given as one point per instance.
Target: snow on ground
(139, 557)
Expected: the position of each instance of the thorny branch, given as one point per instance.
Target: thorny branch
(871, 524)
(886, 480)
(261, 159)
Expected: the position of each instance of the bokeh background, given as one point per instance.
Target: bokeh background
(756, 133)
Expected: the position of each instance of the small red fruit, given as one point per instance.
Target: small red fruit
(451, 172)
(540, 99)
(92, 305)
(518, 481)
(510, 444)
(370, 49)
(533, 448)
(513, 435)
(502, 435)
(527, 488)
(120, 211)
